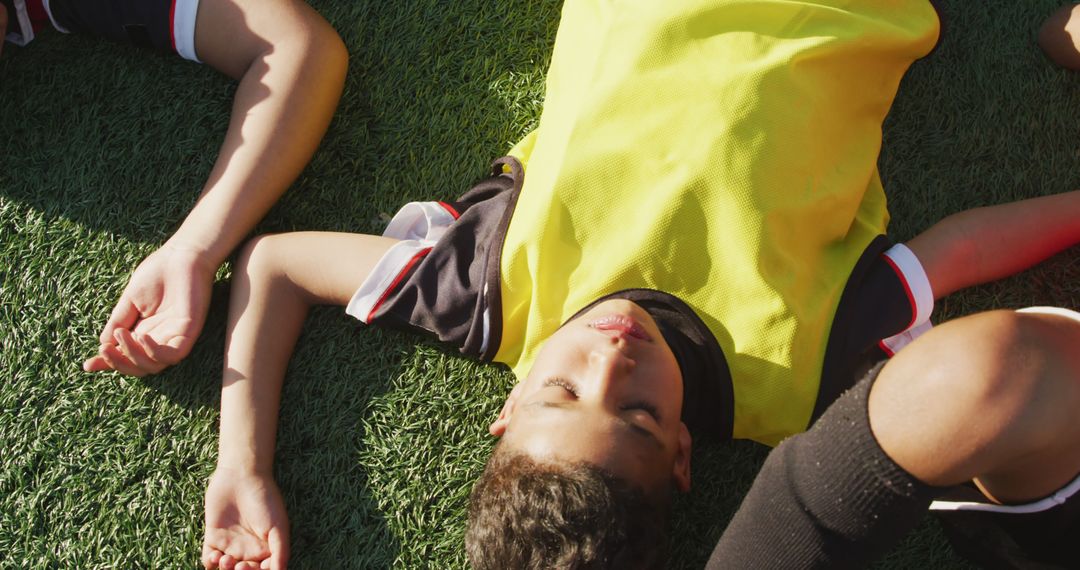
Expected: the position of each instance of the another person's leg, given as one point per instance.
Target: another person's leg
(990, 397)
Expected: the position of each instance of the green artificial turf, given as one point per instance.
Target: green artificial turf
(104, 148)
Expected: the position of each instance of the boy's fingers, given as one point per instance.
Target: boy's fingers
(123, 315)
(279, 550)
(243, 545)
(272, 563)
(118, 361)
(155, 351)
(164, 346)
(135, 353)
(227, 562)
(210, 557)
(95, 364)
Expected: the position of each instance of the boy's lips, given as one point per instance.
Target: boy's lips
(621, 326)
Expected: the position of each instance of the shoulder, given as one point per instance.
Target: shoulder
(445, 278)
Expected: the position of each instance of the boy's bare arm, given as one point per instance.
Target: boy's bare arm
(277, 279)
(291, 68)
(984, 244)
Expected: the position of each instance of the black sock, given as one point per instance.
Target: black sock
(828, 498)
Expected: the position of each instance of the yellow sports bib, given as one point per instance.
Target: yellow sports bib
(722, 151)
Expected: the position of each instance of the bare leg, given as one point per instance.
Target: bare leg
(990, 397)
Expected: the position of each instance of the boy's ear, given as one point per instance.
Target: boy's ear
(681, 469)
(498, 427)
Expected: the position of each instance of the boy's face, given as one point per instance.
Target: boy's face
(605, 389)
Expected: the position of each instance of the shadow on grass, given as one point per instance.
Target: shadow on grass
(121, 140)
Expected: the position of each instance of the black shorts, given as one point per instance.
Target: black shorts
(886, 304)
(167, 25)
(1043, 534)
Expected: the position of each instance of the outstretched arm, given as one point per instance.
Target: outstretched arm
(984, 244)
(291, 66)
(278, 278)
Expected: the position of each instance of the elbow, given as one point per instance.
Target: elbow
(333, 53)
(257, 261)
(324, 50)
(253, 257)
(319, 48)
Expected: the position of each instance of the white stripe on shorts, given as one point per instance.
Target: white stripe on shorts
(48, 10)
(183, 28)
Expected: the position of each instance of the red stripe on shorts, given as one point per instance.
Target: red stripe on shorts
(907, 290)
(450, 209)
(172, 25)
(397, 281)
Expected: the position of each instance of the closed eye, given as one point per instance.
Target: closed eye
(644, 406)
(572, 389)
(562, 383)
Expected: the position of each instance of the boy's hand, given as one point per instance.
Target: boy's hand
(159, 315)
(247, 527)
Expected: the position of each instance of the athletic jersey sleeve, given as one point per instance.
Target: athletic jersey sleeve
(885, 305)
(443, 276)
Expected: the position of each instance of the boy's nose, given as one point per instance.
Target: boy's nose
(608, 365)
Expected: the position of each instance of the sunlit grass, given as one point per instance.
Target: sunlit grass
(105, 148)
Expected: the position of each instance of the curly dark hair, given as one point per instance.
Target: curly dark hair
(531, 515)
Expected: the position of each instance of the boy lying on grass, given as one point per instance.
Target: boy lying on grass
(290, 67)
(692, 239)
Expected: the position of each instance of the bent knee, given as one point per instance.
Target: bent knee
(307, 35)
(977, 389)
(993, 360)
(324, 42)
